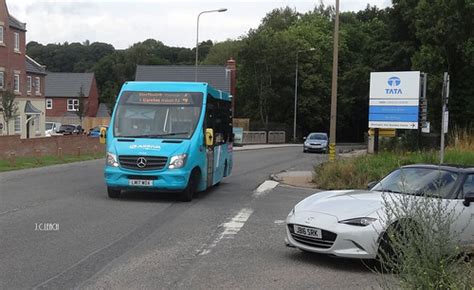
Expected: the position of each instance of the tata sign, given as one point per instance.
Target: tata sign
(394, 100)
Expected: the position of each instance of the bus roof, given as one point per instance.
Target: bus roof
(177, 87)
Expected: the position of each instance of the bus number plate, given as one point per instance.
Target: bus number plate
(140, 182)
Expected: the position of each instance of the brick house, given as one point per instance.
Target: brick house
(62, 96)
(21, 75)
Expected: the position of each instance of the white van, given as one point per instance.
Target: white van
(52, 128)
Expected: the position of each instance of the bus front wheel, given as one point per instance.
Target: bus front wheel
(191, 188)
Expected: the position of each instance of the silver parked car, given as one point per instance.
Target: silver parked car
(316, 142)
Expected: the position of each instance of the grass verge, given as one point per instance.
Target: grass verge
(32, 162)
(355, 173)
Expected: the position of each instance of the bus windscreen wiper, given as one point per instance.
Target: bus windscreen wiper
(171, 134)
(154, 135)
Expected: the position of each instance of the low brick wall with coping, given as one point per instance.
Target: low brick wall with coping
(75, 145)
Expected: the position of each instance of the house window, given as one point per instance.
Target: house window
(17, 42)
(49, 104)
(73, 105)
(1, 33)
(37, 85)
(16, 83)
(2, 80)
(17, 125)
(28, 84)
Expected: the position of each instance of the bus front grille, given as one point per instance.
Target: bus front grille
(143, 162)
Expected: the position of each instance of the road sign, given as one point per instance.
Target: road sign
(446, 122)
(426, 128)
(394, 100)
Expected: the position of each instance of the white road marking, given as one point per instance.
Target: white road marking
(230, 229)
(264, 187)
(279, 222)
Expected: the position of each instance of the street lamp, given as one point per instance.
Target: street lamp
(197, 38)
(296, 91)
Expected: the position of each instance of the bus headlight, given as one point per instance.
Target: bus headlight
(177, 161)
(111, 160)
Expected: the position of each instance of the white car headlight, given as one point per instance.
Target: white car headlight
(111, 160)
(177, 161)
(361, 222)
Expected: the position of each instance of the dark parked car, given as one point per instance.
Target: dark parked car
(70, 129)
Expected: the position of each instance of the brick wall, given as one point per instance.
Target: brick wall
(59, 107)
(48, 146)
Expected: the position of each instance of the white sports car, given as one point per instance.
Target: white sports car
(351, 223)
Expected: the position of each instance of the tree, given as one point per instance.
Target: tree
(222, 51)
(9, 107)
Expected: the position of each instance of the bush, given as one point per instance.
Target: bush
(357, 172)
(421, 246)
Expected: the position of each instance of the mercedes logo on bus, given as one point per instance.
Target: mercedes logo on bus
(141, 162)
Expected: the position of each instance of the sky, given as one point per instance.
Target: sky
(125, 22)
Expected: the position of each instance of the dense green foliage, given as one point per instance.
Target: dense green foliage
(358, 172)
(431, 36)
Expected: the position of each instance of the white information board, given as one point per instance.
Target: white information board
(394, 100)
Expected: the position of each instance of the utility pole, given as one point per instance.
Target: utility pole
(445, 115)
(295, 112)
(332, 129)
(295, 99)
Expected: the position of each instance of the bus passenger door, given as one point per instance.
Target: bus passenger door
(209, 140)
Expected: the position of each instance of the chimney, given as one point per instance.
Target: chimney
(231, 66)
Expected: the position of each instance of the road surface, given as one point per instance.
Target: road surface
(59, 230)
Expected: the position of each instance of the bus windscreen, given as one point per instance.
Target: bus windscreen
(157, 114)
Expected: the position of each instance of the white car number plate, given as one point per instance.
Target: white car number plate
(308, 232)
(140, 182)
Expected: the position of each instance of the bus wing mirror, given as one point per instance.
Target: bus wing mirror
(209, 137)
(103, 135)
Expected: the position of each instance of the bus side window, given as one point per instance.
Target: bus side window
(219, 118)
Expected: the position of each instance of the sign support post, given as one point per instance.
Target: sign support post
(376, 140)
(444, 116)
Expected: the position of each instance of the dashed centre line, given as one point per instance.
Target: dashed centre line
(265, 187)
(230, 229)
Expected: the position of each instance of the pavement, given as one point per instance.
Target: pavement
(304, 178)
(231, 236)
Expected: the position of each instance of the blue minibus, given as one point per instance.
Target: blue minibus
(168, 136)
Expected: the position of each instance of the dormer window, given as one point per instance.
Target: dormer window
(1, 34)
(17, 42)
(37, 85)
